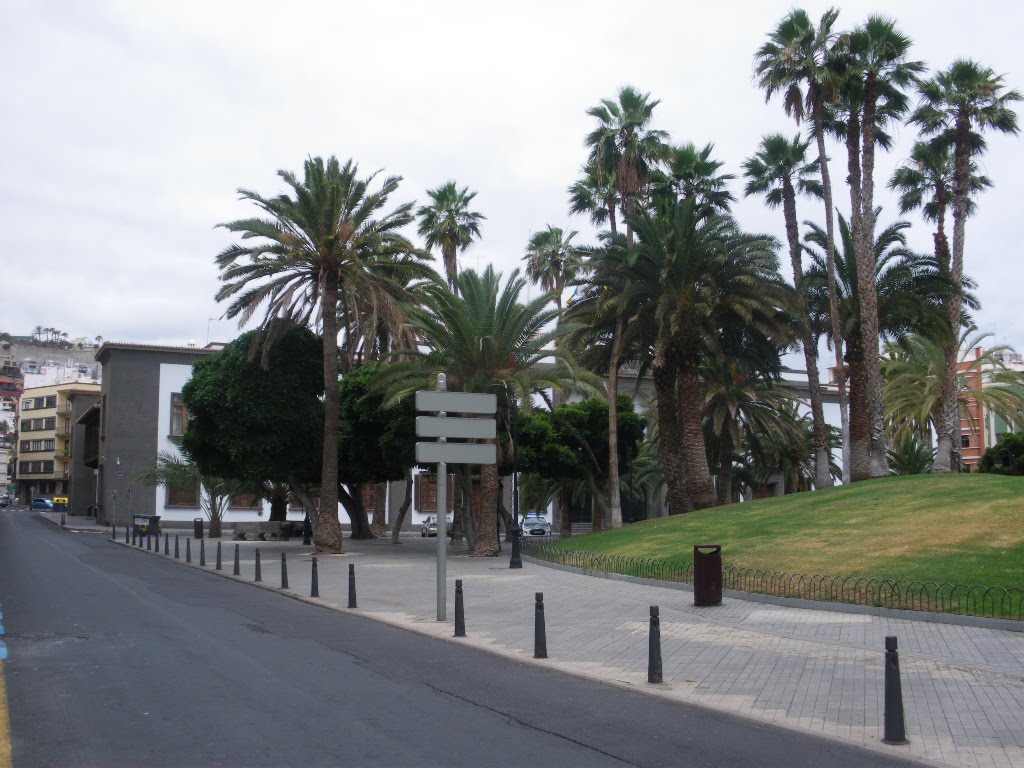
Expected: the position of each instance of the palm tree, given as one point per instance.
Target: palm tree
(37, 332)
(170, 469)
(596, 195)
(553, 261)
(696, 284)
(449, 224)
(878, 57)
(914, 380)
(623, 146)
(797, 61)
(329, 234)
(484, 340)
(780, 170)
(957, 105)
(693, 173)
(910, 289)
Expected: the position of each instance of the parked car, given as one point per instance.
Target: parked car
(535, 524)
(429, 526)
(4, 500)
(41, 503)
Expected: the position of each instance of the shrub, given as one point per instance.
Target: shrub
(1005, 457)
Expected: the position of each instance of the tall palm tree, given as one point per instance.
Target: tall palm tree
(879, 58)
(797, 61)
(448, 223)
(910, 291)
(914, 382)
(692, 172)
(780, 170)
(697, 283)
(484, 340)
(623, 146)
(956, 106)
(327, 233)
(552, 260)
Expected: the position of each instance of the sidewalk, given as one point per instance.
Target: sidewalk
(811, 670)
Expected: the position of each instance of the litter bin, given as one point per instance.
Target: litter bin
(707, 575)
(197, 528)
(146, 524)
(60, 503)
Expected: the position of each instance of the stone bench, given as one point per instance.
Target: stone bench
(280, 531)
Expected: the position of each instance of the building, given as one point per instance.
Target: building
(46, 462)
(980, 427)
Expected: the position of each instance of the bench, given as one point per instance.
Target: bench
(278, 530)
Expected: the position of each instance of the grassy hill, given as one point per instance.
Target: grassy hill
(965, 529)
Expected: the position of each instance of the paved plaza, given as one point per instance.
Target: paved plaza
(812, 670)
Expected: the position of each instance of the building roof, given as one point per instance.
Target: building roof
(109, 346)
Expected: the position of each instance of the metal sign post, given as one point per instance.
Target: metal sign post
(444, 453)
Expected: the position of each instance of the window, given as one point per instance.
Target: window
(36, 467)
(26, 404)
(50, 402)
(179, 415)
(244, 501)
(182, 496)
(426, 493)
(965, 441)
(50, 423)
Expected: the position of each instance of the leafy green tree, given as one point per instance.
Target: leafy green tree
(1005, 457)
(781, 170)
(328, 235)
(256, 415)
(910, 455)
(552, 260)
(376, 443)
(484, 340)
(449, 224)
(798, 61)
(957, 106)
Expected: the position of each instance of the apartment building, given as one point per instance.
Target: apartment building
(45, 447)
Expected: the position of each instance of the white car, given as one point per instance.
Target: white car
(535, 524)
(429, 526)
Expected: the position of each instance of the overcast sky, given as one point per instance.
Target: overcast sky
(128, 126)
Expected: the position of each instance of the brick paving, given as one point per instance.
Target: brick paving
(811, 670)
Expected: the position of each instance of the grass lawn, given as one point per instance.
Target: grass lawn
(966, 529)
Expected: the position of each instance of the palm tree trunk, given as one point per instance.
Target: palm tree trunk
(614, 500)
(404, 509)
(487, 534)
(833, 299)
(860, 458)
(822, 474)
(947, 457)
(328, 529)
(379, 526)
(698, 480)
(725, 449)
(868, 300)
(470, 514)
(352, 500)
(564, 510)
(669, 450)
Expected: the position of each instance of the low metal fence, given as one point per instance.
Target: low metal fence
(936, 597)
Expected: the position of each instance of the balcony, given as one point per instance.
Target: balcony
(65, 429)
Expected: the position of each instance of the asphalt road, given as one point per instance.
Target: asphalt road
(119, 658)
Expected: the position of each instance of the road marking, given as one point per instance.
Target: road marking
(6, 759)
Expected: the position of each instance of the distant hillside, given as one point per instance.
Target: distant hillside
(43, 354)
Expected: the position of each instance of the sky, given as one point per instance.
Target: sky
(128, 127)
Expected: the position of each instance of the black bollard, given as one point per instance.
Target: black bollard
(126, 534)
(515, 561)
(113, 533)
(188, 550)
(237, 571)
(284, 572)
(460, 611)
(314, 585)
(202, 552)
(149, 542)
(134, 535)
(167, 545)
(352, 586)
(540, 637)
(177, 550)
(259, 575)
(63, 520)
(654, 648)
(895, 722)
(217, 566)
(307, 532)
